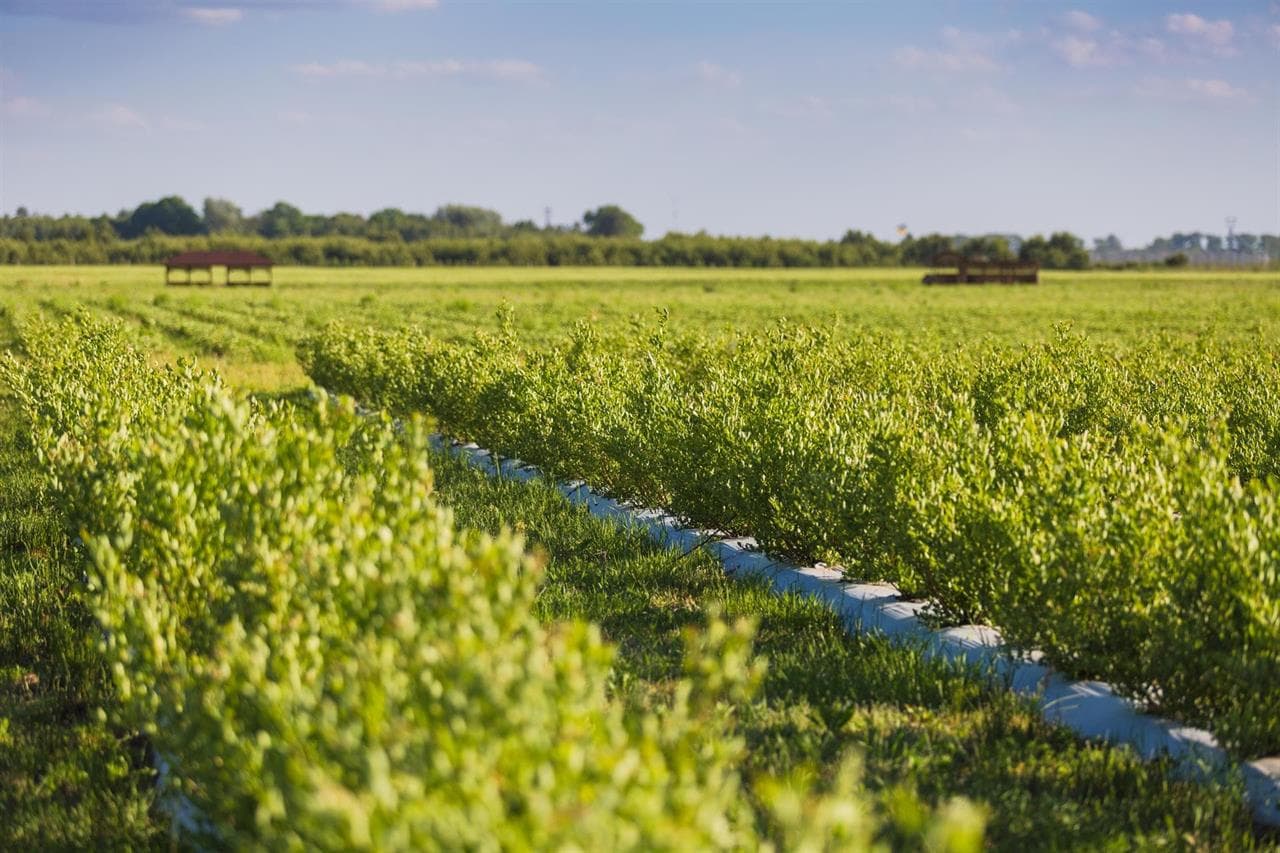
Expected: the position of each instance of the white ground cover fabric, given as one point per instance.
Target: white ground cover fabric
(1091, 709)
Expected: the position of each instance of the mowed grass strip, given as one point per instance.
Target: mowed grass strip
(445, 301)
(928, 730)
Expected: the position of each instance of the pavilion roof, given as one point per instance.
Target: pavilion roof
(218, 259)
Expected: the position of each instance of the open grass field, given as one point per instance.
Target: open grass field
(249, 333)
(926, 735)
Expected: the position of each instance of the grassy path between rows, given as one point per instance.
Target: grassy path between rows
(927, 730)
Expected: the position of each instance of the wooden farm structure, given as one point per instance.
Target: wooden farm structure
(982, 271)
(233, 262)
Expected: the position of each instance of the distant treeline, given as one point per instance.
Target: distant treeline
(464, 235)
(546, 249)
(1192, 249)
(459, 234)
(173, 216)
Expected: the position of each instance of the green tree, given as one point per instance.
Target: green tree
(222, 216)
(466, 221)
(346, 225)
(611, 221)
(170, 215)
(1062, 251)
(1110, 243)
(991, 247)
(862, 249)
(282, 220)
(921, 251)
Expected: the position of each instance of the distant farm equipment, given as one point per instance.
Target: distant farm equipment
(243, 262)
(982, 271)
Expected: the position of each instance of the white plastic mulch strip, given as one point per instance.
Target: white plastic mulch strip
(1089, 708)
(186, 821)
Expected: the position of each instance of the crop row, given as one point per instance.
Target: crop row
(324, 660)
(1114, 508)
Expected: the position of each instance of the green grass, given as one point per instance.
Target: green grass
(927, 730)
(248, 332)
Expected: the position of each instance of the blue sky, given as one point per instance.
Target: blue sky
(1138, 118)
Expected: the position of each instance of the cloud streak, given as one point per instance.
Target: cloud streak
(133, 12)
(918, 59)
(120, 116)
(1107, 50)
(213, 16)
(21, 106)
(1081, 21)
(962, 51)
(1215, 35)
(492, 69)
(1216, 90)
(394, 6)
(717, 75)
(1205, 90)
(1081, 52)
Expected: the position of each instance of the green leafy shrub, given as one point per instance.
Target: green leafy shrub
(1109, 508)
(328, 663)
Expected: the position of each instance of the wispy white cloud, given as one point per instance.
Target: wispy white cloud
(400, 5)
(1215, 35)
(119, 115)
(1080, 21)
(961, 50)
(498, 69)
(494, 69)
(21, 106)
(1192, 89)
(1216, 90)
(919, 59)
(710, 72)
(1151, 47)
(801, 107)
(341, 68)
(1274, 33)
(1106, 49)
(962, 39)
(1079, 52)
(213, 16)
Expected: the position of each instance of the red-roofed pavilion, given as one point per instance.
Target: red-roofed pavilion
(245, 262)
